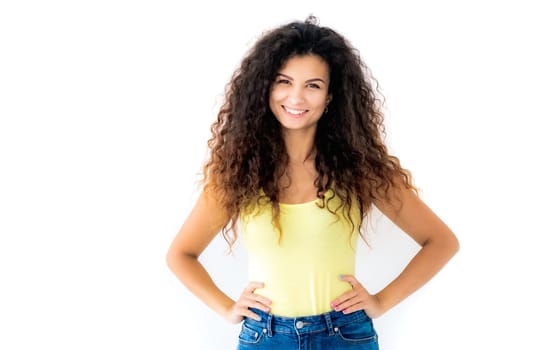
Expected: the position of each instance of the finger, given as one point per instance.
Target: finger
(249, 292)
(353, 308)
(251, 314)
(242, 309)
(347, 303)
(350, 279)
(261, 299)
(253, 285)
(343, 298)
(250, 302)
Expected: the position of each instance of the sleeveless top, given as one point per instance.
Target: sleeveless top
(300, 271)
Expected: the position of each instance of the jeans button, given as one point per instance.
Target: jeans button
(299, 324)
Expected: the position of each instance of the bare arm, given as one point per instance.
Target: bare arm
(437, 241)
(438, 245)
(201, 226)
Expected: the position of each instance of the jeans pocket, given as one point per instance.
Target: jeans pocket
(250, 334)
(361, 331)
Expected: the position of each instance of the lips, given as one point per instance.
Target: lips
(294, 111)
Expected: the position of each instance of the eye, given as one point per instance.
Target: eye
(314, 86)
(282, 81)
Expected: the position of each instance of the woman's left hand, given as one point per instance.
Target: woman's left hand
(357, 299)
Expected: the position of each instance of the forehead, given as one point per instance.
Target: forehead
(306, 65)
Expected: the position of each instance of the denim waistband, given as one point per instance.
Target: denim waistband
(329, 322)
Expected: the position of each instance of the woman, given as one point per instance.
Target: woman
(297, 161)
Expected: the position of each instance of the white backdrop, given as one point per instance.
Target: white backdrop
(105, 109)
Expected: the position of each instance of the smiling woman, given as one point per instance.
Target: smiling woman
(299, 94)
(298, 176)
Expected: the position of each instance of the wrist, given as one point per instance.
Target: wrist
(226, 309)
(381, 306)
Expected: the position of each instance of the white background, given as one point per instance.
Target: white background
(105, 109)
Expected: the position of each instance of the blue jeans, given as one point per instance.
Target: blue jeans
(333, 330)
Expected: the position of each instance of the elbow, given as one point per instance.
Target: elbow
(457, 245)
(446, 244)
(452, 244)
(173, 258)
(170, 259)
(455, 242)
(176, 258)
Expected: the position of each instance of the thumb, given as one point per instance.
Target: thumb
(254, 285)
(350, 279)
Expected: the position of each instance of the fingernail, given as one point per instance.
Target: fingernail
(341, 277)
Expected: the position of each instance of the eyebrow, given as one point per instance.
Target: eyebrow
(307, 81)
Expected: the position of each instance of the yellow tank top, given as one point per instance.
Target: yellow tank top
(301, 272)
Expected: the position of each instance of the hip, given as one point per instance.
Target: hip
(331, 330)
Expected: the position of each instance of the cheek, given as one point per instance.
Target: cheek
(271, 102)
(275, 95)
(320, 101)
(274, 99)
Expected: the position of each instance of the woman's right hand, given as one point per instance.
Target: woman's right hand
(240, 309)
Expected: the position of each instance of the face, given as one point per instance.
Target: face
(299, 94)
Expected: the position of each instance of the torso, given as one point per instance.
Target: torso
(299, 186)
(300, 266)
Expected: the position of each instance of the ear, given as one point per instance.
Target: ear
(329, 98)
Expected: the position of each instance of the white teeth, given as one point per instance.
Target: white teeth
(295, 111)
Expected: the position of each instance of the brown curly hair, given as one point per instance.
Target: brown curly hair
(247, 151)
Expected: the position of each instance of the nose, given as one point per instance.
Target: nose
(296, 95)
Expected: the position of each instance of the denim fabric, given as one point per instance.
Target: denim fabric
(333, 330)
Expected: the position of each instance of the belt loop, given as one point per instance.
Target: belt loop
(269, 325)
(327, 317)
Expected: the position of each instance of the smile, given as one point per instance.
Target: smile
(295, 112)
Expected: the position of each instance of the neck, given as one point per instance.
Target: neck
(299, 145)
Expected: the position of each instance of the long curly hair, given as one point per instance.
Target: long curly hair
(247, 153)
